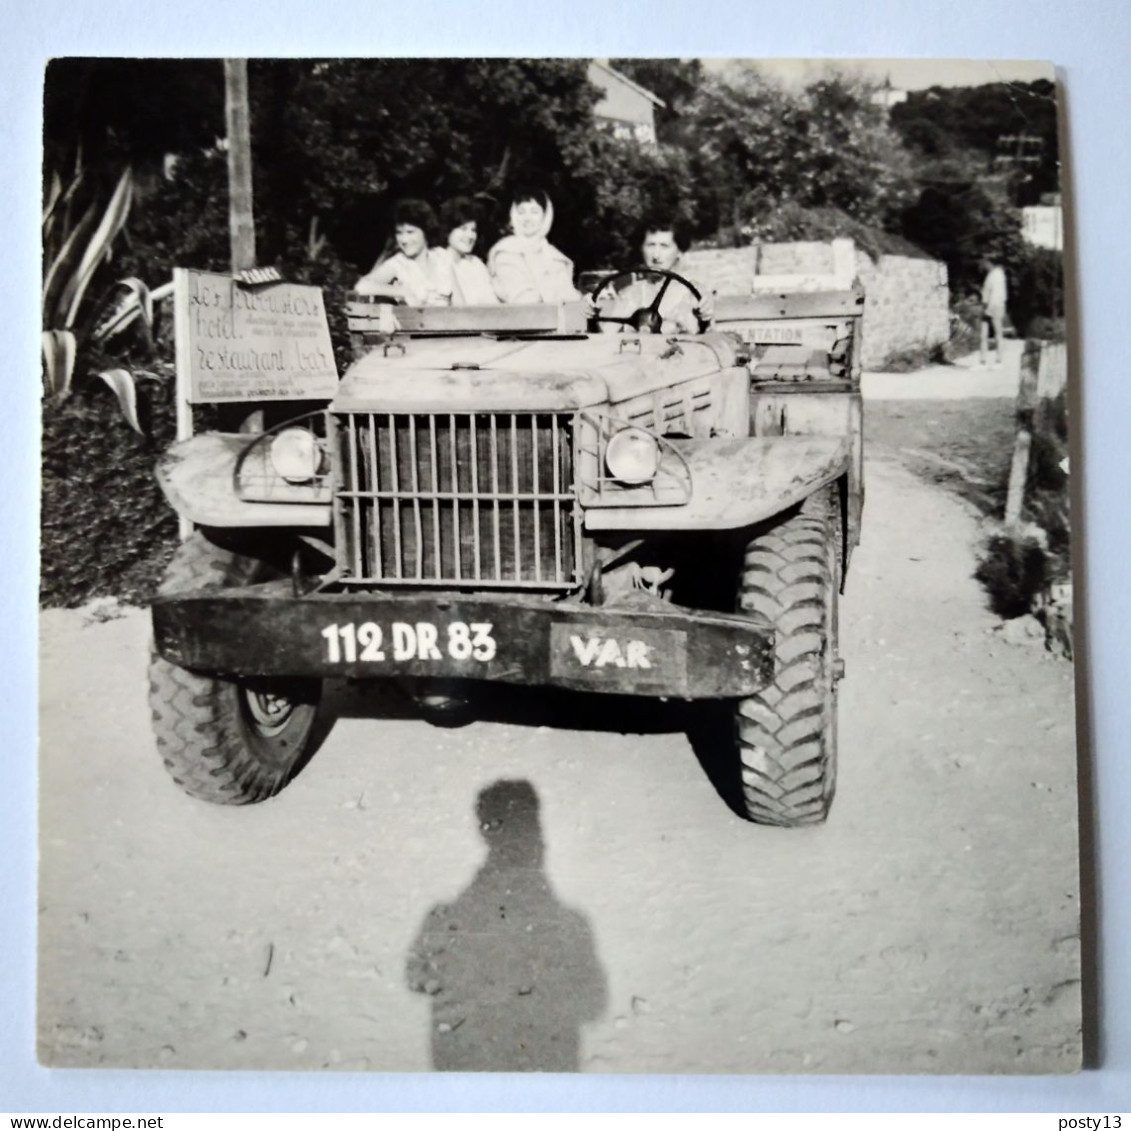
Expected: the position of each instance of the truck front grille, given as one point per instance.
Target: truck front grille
(457, 499)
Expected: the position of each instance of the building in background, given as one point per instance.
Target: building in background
(626, 108)
(1042, 225)
(888, 96)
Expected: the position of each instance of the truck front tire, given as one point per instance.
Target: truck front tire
(227, 741)
(786, 733)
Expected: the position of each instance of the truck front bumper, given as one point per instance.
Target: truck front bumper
(266, 630)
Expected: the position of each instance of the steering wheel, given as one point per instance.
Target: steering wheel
(646, 320)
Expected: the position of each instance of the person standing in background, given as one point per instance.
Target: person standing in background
(995, 294)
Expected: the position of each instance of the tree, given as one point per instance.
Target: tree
(759, 146)
(341, 140)
(117, 112)
(970, 126)
(963, 225)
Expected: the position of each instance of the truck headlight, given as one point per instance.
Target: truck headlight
(632, 456)
(295, 455)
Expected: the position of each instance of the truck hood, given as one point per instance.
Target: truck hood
(546, 374)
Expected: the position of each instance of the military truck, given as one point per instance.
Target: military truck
(515, 494)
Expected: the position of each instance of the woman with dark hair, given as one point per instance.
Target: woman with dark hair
(525, 266)
(414, 273)
(471, 282)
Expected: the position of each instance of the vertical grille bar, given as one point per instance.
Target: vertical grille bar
(355, 501)
(514, 498)
(495, 492)
(536, 505)
(395, 502)
(418, 525)
(555, 444)
(377, 565)
(475, 497)
(458, 549)
(437, 539)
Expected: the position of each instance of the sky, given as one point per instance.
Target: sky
(905, 74)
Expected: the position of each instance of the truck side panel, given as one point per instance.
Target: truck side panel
(833, 408)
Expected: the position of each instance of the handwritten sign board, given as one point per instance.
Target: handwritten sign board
(251, 343)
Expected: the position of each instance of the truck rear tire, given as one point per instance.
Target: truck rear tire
(786, 733)
(228, 741)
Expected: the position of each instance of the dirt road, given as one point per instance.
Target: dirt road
(561, 884)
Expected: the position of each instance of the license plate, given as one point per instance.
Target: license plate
(634, 655)
(400, 641)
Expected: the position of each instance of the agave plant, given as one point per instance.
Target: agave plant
(73, 251)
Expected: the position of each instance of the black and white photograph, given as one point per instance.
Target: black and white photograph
(557, 565)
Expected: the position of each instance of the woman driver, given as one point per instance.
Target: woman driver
(525, 266)
(414, 273)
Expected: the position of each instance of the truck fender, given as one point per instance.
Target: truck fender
(736, 483)
(198, 477)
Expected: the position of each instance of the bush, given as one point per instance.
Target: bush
(790, 222)
(1019, 566)
(1013, 570)
(965, 328)
(1047, 329)
(106, 529)
(913, 358)
(962, 226)
(1036, 293)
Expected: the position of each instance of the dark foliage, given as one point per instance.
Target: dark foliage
(1013, 571)
(1016, 566)
(106, 530)
(129, 111)
(946, 125)
(1037, 293)
(1046, 496)
(962, 225)
(792, 221)
(912, 358)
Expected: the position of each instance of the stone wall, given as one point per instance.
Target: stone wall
(906, 304)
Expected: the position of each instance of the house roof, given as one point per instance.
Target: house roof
(617, 76)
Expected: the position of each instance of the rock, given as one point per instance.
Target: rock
(102, 609)
(1026, 630)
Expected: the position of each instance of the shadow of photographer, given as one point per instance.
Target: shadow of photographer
(512, 974)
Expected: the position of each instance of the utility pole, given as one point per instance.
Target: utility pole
(241, 213)
(241, 216)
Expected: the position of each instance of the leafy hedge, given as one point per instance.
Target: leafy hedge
(1020, 565)
(106, 529)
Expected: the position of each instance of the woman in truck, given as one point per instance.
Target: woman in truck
(525, 266)
(471, 282)
(413, 273)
